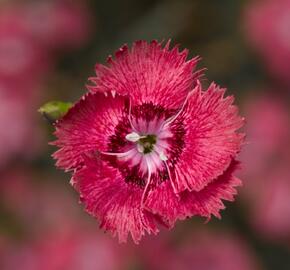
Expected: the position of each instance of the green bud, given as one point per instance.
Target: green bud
(54, 110)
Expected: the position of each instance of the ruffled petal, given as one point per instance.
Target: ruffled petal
(86, 127)
(116, 204)
(211, 139)
(149, 73)
(209, 201)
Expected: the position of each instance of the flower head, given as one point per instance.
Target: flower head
(148, 145)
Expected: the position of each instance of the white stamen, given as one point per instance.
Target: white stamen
(130, 115)
(170, 179)
(133, 137)
(140, 148)
(145, 192)
(119, 155)
(163, 157)
(113, 92)
(174, 117)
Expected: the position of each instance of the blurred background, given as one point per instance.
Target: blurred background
(48, 49)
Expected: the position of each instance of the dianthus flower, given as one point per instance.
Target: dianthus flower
(147, 145)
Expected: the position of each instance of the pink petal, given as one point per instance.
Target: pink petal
(149, 73)
(211, 140)
(116, 204)
(164, 202)
(87, 126)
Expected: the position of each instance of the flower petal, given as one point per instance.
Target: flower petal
(164, 202)
(149, 73)
(115, 203)
(211, 139)
(86, 127)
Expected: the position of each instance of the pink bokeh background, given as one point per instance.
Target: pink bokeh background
(48, 49)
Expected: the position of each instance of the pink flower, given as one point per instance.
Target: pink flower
(148, 145)
(204, 249)
(21, 58)
(266, 160)
(17, 108)
(267, 131)
(58, 23)
(271, 207)
(267, 26)
(73, 250)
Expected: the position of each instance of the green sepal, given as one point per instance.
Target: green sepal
(54, 110)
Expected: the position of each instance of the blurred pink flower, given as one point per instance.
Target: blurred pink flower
(149, 144)
(267, 27)
(266, 165)
(77, 251)
(204, 250)
(18, 123)
(45, 203)
(73, 250)
(57, 236)
(271, 208)
(53, 24)
(267, 129)
(24, 61)
(58, 23)
(21, 58)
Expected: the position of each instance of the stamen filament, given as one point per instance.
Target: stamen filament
(118, 154)
(144, 195)
(170, 179)
(174, 117)
(130, 116)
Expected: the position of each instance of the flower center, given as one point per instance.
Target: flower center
(147, 143)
